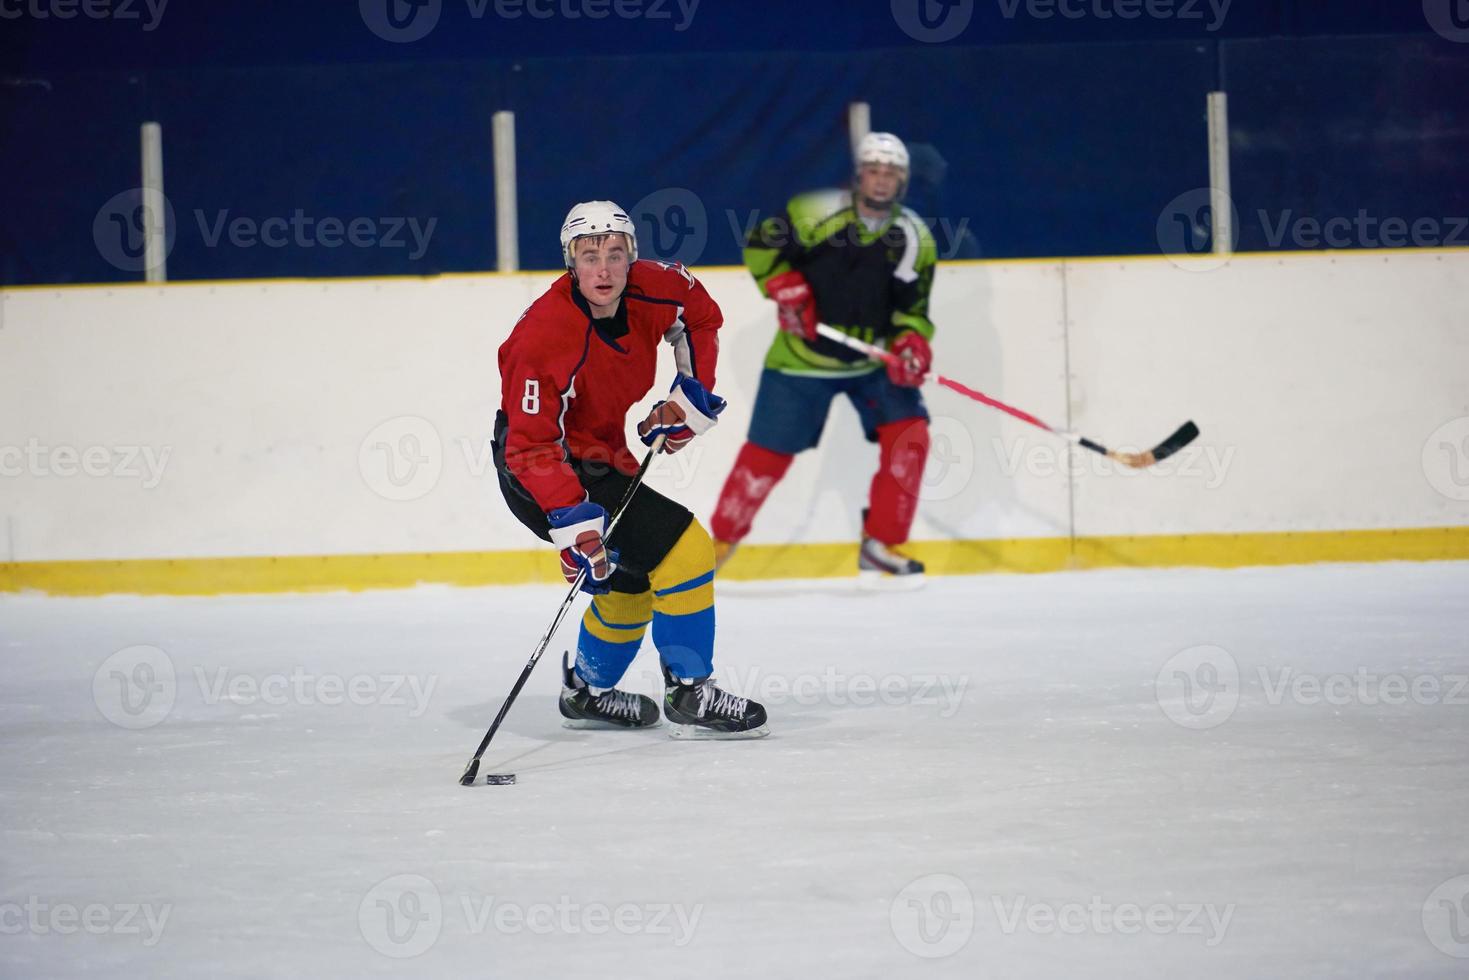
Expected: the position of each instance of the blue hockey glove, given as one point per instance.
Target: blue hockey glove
(690, 410)
(578, 531)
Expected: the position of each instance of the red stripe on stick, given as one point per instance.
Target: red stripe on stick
(980, 396)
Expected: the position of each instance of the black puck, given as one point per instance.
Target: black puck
(499, 779)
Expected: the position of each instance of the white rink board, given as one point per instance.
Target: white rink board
(1317, 381)
(242, 419)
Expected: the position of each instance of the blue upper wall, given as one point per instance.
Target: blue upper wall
(140, 34)
(301, 142)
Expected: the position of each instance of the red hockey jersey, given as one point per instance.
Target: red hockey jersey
(568, 380)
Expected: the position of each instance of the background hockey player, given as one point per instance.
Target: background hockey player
(863, 263)
(577, 360)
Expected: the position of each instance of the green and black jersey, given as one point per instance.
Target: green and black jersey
(870, 279)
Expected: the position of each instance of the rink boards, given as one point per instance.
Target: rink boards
(283, 435)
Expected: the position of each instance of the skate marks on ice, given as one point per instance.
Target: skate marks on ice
(533, 730)
(1043, 821)
(847, 588)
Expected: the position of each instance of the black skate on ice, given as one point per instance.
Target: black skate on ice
(881, 567)
(698, 709)
(610, 709)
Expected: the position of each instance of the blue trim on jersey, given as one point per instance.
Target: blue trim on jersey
(659, 300)
(586, 349)
(688, 586)
(654, 299)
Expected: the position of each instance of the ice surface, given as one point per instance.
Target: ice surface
(1013, 736)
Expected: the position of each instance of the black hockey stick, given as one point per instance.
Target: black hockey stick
(1181, 437)
(471, 771)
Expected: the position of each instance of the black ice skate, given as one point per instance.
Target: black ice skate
(610, 709)
(879, 566)
(698, 709)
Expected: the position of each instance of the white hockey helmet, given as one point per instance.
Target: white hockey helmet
(883, 148)
(596, 218)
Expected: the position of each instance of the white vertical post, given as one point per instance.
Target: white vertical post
(507, 221)
(1221, 205)
(859, 123)
(155, 214)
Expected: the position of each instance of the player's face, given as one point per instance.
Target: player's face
(601, 271)
(879, 181)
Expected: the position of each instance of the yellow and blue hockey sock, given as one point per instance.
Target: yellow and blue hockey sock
(683, 605)
(611, 631)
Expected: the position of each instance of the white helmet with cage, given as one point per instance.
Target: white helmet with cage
(596, 218)
(883, 148)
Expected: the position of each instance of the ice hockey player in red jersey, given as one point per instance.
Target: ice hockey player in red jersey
(578, 359)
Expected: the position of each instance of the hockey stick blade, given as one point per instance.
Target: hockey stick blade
(1186, 434)
(472, 770)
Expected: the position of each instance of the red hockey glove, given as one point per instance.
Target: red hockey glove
(794, 304)
(913, 361)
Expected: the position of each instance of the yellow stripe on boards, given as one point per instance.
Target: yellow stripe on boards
(311, 573)
(1143, 551)
(1278, 548)
(213, 576)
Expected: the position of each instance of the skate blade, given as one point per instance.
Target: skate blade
(698, 733)
(591, 725)
(871, 580)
